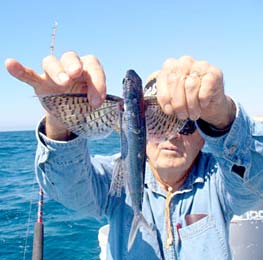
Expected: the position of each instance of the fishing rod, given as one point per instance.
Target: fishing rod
(38, 241)
(53, 37)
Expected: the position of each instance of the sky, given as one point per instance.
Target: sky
(126, 35)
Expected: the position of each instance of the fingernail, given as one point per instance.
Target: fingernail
(63, 77)
(168, 109)
(73, 68)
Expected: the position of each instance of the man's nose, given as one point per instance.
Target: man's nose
(175, 136)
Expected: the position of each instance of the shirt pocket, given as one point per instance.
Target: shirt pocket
(202, 240)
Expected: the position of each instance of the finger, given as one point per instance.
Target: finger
(163, 92)
(200, 67)
(72, 64)
(178, 99)
(192, 85)
(54, 69)
(184, 63)
(165, 81)
(23, 73)
(211, 85)
(178, 90)
(170, 64)
(95, 78)
(171, 95)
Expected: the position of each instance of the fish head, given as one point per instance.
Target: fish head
(132, 86)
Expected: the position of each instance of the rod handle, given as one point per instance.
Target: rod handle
(38, 241)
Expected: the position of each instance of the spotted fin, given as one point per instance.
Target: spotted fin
(118, 177)
(160, 126)
(75, 112)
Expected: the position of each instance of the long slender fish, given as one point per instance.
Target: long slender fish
(134, 132)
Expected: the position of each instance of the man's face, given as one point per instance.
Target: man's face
(175, 155)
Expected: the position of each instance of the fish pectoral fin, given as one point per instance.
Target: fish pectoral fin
(117, 181)
(137, 222)
(76, 113)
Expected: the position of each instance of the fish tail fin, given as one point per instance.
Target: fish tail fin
(137, 222)
(117, 181)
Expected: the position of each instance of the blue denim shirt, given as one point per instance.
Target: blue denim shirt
(227, 180)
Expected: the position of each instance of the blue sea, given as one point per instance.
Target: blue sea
(67, 235)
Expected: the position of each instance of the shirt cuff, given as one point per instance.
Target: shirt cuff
(211, 130)
(232, 143)
(60, 151)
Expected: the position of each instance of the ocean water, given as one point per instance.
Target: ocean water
(67, 234)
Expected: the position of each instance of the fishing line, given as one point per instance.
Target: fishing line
(28, 221)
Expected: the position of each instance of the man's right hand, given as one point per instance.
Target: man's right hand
(69, 74)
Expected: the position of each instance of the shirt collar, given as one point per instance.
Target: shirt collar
(197, 175)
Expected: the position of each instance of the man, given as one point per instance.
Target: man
(189, 196)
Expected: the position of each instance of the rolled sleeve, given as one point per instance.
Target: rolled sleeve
(66, 172)
(234, 145)
(240, 156)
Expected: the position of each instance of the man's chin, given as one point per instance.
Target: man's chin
(169, 166)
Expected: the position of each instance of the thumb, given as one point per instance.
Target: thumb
(23, 73)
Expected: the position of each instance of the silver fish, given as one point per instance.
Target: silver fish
(133, 149)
